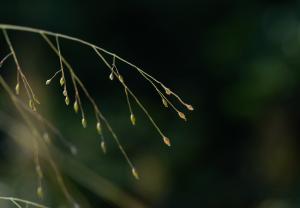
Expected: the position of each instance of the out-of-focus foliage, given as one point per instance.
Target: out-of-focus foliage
(237, 63)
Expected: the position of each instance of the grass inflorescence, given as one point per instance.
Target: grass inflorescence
(29, 112)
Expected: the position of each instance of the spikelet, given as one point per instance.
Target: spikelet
(48, 81)
(65, 93)
(121, 78)
(17, 88)
(31, 105)
(39, 192)
(67, 100)
(46, 138)
(39, 171)
(135, 174)
(103, 147)
(182, 115)
(132, 119)
(189, 107)
(111, 76)
(168, 91)
(84, 122)
(165, 103)
(98, 127)
(62, 81)
(76, 205)
(167, 141)
(73, 150)
(76, 107)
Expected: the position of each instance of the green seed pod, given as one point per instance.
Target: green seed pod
(84, 122)
(17, 88)
(67, 100)
(98, 127)
(62, 81)
(132, 118)
(76, 107)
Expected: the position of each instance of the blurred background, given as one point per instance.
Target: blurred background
(237, 63)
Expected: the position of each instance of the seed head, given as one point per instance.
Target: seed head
(165, 103)
(135, 174)
(31, 105)
(46, 138)
(62, 81)
(167, 141)
(65, 93)
(98, 127)
(76, 205)
(67, 100)
(182, 115)
(168, 91)
(121, 78)
(39, 171)
(73, 150)
(17, 88)
(40, 192)
(76, 107)
(190, 107)
(132, 118)
(111, 76)
(84, 122)
(48, 81)
(103, 147)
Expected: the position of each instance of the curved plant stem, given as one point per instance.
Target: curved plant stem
(16, 201)
(115, 56)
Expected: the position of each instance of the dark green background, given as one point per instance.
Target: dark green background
(236, 62)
